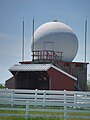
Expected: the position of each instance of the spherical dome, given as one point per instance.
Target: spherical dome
(56, 36)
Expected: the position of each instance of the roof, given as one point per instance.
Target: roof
(30, 67)
(38, 67)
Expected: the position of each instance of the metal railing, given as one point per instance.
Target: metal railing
(46, 55)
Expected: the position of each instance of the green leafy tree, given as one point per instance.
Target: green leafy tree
(2, 86)
(88, 86)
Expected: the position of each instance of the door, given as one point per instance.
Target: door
(48, 46)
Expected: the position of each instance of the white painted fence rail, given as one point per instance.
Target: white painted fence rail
(66, 103)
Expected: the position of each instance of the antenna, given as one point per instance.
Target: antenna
(33, 41)
(33, 36)
(23, 42)
(85, 51)
(85, 38)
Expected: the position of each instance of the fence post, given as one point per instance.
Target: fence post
(27, 110)
(65, 106)
(12, 98)
(85, 101)
(75, 97)
(35, 97)
(44, 98)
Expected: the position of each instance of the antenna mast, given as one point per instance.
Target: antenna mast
(33, 41)
(23, 42)
(33, 36)
(85, 52)
(85, 38)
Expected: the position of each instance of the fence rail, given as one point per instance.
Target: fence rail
(63, 104)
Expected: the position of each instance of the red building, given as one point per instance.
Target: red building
(48, 73)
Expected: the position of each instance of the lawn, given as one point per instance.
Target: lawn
(41, 113)
(23, 118)
(44, 113)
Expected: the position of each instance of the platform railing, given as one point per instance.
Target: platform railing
(46, 56)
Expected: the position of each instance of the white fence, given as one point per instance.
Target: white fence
(63, 104)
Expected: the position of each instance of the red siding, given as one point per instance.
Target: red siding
(60, 81)
(10, 83)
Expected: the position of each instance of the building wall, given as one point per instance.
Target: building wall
(60, 81)
(10, 83)
(32, 80)
(78, 70)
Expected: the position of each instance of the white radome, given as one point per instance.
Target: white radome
(56, 36)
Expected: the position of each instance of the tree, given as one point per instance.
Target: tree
(2, 86)
(88, 86)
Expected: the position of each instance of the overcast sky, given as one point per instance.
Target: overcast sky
(73, 12)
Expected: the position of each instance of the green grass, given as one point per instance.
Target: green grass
(42, 113)
(23, 118)
(11, 118)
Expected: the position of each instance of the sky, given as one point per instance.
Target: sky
(73, 12)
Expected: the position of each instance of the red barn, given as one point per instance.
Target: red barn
(42, 76)
(47, 75)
